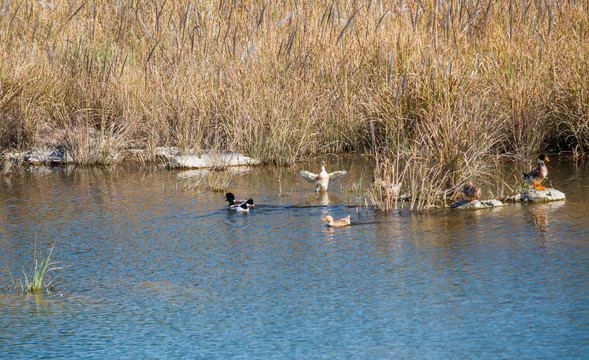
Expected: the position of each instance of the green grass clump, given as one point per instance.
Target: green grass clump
(36, 282)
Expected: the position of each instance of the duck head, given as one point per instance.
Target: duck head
(230, 198)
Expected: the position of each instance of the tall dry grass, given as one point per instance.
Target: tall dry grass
(448, 82)
(267, 77)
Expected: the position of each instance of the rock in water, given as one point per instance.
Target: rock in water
(210, 160)
(476, 204)
(535, 195)
(48, 155)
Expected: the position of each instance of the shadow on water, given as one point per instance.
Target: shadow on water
(158, 267)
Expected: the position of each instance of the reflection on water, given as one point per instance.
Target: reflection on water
(158, 268)
(540, 213)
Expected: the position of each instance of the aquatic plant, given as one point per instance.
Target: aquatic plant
(36, 282)
(357, 193)
(422, 182)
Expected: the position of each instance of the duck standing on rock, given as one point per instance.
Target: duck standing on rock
(345, 221)
(240, 205)
(321, 180)
(536, 176)
(471, 191)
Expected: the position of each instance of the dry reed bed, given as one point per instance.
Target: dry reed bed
(443, 83)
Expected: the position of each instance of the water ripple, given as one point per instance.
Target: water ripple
(157, 269)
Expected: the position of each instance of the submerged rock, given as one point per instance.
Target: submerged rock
(50, 170)
(211, 159)
(200, 173)
(535, 195)
(476, 204)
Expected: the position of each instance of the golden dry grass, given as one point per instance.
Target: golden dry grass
(448, 82)
(279, 81)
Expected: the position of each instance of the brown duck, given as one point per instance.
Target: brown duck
(471, 191)
(536, 176)
(337, 223)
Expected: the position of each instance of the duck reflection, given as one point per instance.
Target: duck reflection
(540, 218)
(322, 198)
(319, 198)
(539, 214)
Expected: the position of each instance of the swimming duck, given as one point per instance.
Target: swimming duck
(321, 180)
(471, 191)
(341, 222)
(241, 205)
(536, 176)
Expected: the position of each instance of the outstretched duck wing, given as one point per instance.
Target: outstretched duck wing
(309, 176)
(337, 174)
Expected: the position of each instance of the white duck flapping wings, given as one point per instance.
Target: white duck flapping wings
(322, 179)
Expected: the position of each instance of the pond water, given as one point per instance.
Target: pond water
(154, 266)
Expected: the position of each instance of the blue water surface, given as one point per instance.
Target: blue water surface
(153, 266)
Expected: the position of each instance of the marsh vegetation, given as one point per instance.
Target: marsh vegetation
(443, 85)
